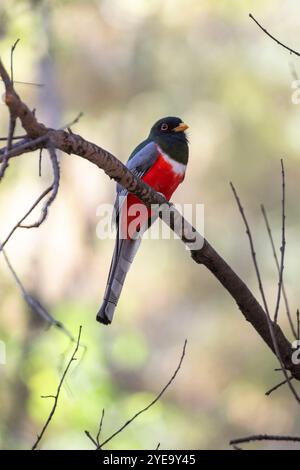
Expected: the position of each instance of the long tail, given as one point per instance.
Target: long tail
(124, 253)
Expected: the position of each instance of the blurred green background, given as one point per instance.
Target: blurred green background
(126, 63)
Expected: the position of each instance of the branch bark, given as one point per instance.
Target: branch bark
(39, 136)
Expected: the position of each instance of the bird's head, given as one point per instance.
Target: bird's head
(169, 126)
(169, 134)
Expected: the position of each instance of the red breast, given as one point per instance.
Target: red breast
(164, 176)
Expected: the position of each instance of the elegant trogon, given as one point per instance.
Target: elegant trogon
(160, 161)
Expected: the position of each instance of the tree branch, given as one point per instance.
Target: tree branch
(271, 390)
(54, 188)
(19, 223)
(56, 396)
(292, 51)
(287, 307)
(264, 437)
(205, 254)
(143, 410)
(270, 324)
(282, 248)
(33, 303)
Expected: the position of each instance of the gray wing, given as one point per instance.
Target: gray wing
(138, 165)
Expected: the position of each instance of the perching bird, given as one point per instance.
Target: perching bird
(160, 161)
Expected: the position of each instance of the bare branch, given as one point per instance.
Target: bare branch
(156, 399)
(33, 303)
(264, 437)
(12, 118)
(18, 109)
(278, 386)
(12, 60)
(11, 130)
(19, 223)
(282, 248)
(88, 434)
(100, 429)
(56, 396)
(287, 307)
(27, 145)
(206, 255)
(54, 188)
(27, 83)
(15, 137)
(73, 122)
(253, 254)
(146, 408)
(40, 162)
(270, 323)
(292, 51)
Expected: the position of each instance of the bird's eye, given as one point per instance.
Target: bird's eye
(164, 126)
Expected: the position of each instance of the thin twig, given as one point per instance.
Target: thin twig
(12, 61)
(15, 137)
(33, 303)
(40, 162)
(19, 223)
(282, 248)
(287, 307)
(264, 437)
(28, 145)
(258, 276)
(292, 51)
(12, 117)
(11, 130)
(88, 434)
(54, 187)
(73, 122)
(253, 254)
(150, 404)
(146, 408)
(56, 396)
(100, 429)
(26, 83)
(278, 386)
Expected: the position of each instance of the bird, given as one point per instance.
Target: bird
(160, 161)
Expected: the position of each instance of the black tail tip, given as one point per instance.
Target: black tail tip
(106, 312)
(102, 318)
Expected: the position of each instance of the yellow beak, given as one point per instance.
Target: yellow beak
(181, 128)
